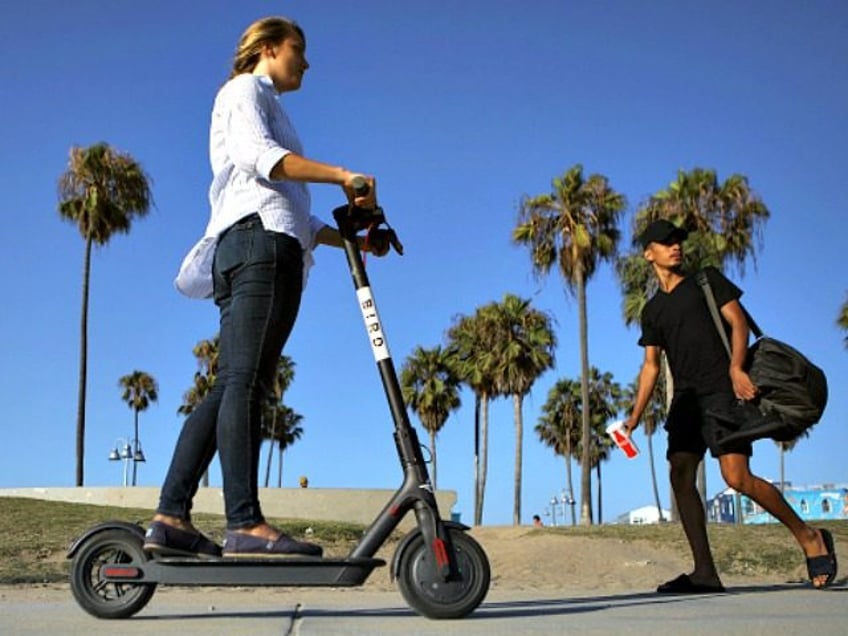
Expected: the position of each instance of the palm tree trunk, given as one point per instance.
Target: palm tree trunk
(586, 432)
(271, 446)
(433, 458)
(135, 448)
(268, 462)
(83, 368)
(569, 481)
(600, 499)
(484, 449)
(476, 456)
(654, 483)
(519, 427)
(669, 396)
(279, 466)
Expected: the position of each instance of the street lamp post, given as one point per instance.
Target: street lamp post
(138, 457)
(127, 451)
(566, 500)
(121, 452)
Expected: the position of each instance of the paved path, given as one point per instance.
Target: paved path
(772, 610)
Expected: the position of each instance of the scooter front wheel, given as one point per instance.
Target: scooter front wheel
(100, 597)
(425, 590)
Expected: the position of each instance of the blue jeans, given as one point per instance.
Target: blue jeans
(258, 280)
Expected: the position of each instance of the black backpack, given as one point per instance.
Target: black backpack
(792, 390)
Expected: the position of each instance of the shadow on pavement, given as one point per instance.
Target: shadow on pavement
(504, 609)
(548, 606)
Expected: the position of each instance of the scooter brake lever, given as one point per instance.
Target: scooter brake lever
(394, 241)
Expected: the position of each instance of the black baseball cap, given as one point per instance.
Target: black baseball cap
(662, 231)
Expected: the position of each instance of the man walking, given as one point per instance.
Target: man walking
(676, 320)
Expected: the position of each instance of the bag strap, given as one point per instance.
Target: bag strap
(701, 278)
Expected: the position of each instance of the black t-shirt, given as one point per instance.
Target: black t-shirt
(680, 323)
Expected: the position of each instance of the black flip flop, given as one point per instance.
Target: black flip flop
(684, 585)
(825, 564)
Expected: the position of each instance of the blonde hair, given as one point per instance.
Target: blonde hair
(259, 34)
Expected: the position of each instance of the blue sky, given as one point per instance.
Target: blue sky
(459, 109)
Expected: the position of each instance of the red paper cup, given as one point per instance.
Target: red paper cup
(622, 439)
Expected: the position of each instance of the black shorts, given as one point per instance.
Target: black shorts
(692, 430)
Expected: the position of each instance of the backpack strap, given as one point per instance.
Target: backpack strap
(701, 278)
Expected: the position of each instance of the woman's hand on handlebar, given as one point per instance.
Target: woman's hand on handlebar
(365, 200)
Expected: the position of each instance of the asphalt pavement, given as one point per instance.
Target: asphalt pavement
(771, 610)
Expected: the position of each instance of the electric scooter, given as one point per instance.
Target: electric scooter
(441, 571)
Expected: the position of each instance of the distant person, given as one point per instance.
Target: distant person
(677, 320)
(253, 261)
(537, 521)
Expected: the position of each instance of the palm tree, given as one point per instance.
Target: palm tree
(101, 192)
(724, 221)
(275, 412)
(470, 355)
(430, 388)
(842, 320)
(524, 350)
(206, 352)
(195, 394)
(574, 227)
(139, 390)
(280, 424)
(559, 427)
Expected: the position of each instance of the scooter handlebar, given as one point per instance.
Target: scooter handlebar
(352, 220)
(360, 186)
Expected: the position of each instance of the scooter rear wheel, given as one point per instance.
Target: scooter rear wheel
(423, 587)
(102, 598)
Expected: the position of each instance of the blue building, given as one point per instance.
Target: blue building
(812, 503)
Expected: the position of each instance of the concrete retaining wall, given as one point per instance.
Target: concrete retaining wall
(323, 504)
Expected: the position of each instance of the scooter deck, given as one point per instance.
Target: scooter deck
(259, 571)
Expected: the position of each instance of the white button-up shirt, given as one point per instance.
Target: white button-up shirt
(250, 132)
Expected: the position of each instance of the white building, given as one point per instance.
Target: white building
(643, 515)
